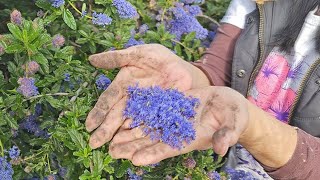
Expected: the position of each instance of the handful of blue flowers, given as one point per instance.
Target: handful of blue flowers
(165, 114)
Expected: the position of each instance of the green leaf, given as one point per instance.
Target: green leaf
(14, 48)
(191, 36)
(12, 68)
(53, 102)
(107, 162)
(43, 4)
(77, 138)
(15, 30)
(153, 35)
(11, 122)
(97, 162)
(83, 33)
(122, 169)
(40, 58)
(69, 19)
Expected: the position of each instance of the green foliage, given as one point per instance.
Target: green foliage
(65, 104)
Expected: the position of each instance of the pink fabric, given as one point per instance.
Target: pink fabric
(268, 92)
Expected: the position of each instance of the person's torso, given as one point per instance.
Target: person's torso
(252, 49)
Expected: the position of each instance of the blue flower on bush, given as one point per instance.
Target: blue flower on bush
(184, 23)
(33, 127)
(1, 50)
(132, 175)
(63, 171)
(103, 82)
(51, 177)
(193, 10)
(189, 163)
(27, 87)
(133, 42)
(38, 110)
(56, 3)
(6, 170)
(101, 19)
(14, 152)
(67, 77)
(143, 29)
(125, 9)
(214, 175)
(16, 17)
(191, 1)
(166, 114)
(58, 41)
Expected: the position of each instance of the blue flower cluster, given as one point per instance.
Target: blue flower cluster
(103, 82)
(132, 175)
(56, 3)
(189, 163)
(14, 152)
(32, 67)
(101, 19)
(193, 10)
(27, 87)
(214, 175)
(125, 9)
(67, 77)
(166, 114)
(30, 124)
(192, 1)
(1, 50)
(58, 41)
(239, 174)
(143, 29)
(16, 17)
(6, 170)
(133, 42)
(184, 23)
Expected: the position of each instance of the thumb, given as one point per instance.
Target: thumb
(116, 59)
(221, 140)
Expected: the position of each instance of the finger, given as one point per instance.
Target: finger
(110, 125)
(116, 59)
(126, 150)
(157, 153)
(105, 102)
(221, 141)
(128, 135)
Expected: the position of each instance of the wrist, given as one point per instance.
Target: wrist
(270, 141)
(199, 77)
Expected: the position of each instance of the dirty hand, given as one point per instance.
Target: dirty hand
(147, 65)
(221, 119)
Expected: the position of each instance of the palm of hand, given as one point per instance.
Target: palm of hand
(221, 118)
(148, 65)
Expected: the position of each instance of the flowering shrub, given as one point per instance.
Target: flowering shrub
(47, 85)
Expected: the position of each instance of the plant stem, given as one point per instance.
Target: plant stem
(78, 11)
(173, 40)
(1, 148)
(35, 155)
(53, 94)
(209, 18)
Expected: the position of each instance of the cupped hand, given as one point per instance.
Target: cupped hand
(147, 65)
(221, 119)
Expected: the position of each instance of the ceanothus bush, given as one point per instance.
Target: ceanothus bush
(47, 85)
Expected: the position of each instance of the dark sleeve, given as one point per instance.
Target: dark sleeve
(216, 63)
(304, 163)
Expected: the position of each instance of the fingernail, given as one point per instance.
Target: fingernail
(93, 142)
